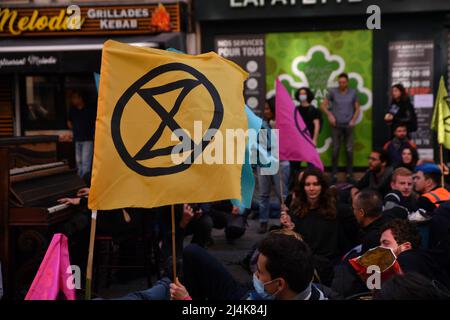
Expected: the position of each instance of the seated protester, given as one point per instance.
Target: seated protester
(427, 184)
(411, 286)
(313, 215)
(230, 218)
(367, 208)
(404, 239)
(198, 223)
(394, 147)
(377, 177)
(410, 157)
(284, 272)
(400, 201)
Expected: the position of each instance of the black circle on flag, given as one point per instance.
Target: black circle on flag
(167, 118)
(305, 132)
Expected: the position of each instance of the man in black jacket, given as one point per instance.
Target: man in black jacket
(367, 208)
(404, 239)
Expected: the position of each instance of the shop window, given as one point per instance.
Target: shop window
(42, 103)
(48, 99)
(83, 84)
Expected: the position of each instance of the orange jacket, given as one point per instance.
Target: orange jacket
(437, 196)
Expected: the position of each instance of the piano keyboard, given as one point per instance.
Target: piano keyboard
(16, 171)
(57, 208)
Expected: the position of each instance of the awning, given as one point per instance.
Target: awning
(162, 40)
(71, 54)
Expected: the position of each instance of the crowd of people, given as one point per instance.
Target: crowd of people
(401, 203)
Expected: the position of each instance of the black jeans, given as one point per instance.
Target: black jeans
(338, 133)
(206, 278)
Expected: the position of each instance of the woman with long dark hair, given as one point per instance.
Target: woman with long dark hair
(314, 215)
(410, 156)
(401, 110)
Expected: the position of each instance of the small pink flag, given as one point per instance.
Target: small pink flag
(54, 272)
(295, 141)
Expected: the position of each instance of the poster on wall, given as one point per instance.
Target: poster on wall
(314, 60)
(248, 52)
(411, 64)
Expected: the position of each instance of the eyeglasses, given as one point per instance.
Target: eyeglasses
(373, 159)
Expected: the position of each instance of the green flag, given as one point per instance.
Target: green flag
(441, 116)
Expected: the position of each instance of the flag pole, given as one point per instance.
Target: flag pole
(441, 154)
(91, 255)
(174, 251)
(281, 188)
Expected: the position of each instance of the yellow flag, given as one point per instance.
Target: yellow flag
(162, 126)
(441, 116)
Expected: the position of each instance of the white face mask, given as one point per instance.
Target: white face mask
(303, 97)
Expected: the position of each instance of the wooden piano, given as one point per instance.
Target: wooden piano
(32, 178)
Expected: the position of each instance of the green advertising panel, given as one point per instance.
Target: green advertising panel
(314, 60)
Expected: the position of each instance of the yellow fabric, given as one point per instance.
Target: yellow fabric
(441, 116)
(125, 72)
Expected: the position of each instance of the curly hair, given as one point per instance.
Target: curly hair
(327, 198)
(403, 231)
(309, 94)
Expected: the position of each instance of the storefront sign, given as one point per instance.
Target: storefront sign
(217, 10)
(93, 21)
(262, 3)
(27, 61)
(411, 64)
(248, 52)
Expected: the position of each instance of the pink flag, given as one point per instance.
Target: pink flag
(295, 141)
(53, 274)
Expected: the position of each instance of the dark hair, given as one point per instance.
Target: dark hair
(415, 157)
(412, 286)
(401, 88)
(370, 201)
(403, 231)
(399, 124)
(343, 75)
(271, 103)
(77, 92)
(436, 177)
(309, 93)
(288, 258)
(327, 199)
(382, 153)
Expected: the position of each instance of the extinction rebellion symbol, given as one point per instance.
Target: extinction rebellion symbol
(167, 118)
(305, 133)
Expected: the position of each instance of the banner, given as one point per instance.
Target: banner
(162, 131)
(248, 52)
(411, 64)
(314, 60)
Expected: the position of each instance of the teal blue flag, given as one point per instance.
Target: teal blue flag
(247, 178)
(97, 79)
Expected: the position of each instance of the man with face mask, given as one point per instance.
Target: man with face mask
(404, 239)
(284, 272)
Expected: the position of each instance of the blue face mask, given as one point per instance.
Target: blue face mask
(259, 287)
(303, 97)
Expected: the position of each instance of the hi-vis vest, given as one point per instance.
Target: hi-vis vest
(438, 196)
